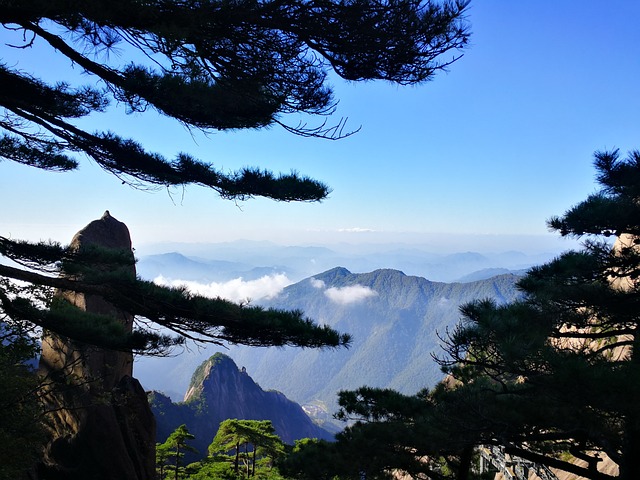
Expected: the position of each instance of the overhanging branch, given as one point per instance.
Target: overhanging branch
(557, 463)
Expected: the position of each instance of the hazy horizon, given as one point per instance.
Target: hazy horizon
(367, 244)
(495, 146)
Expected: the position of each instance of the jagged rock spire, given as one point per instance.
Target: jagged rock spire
(100, 423)
(104, 367)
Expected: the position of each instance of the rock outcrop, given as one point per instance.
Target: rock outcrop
(100, 424)
(219, 383)
(219, 391)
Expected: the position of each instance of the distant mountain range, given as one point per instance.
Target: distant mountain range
(218, 391)
(394, 319)
(177, 266)
(250, 260)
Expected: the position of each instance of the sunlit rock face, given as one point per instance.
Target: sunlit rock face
(106, 366)
(625, 241)
(100, 423)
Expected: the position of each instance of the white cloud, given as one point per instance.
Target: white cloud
(315, 283)
(236, 290)
(351, 294)
(356, 230)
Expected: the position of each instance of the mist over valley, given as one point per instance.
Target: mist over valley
(394, 314)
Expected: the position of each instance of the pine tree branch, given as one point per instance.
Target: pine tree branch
(557, 463)
(595, 335)
(192, 316)
(126, 159)
(107, 74)
(53, 282)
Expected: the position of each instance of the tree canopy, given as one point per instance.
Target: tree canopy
(560, 366)
(174, 447)
(248, 441)
(209, 65)
(551, 378)
(212, 65)
(20, 437)
(106, 273)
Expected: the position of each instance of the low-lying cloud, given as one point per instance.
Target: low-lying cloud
(350, 294)
(356, 230)
(315, 283)
(236, 290)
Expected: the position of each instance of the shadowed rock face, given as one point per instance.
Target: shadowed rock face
(219, 391)
(107, 366)
(101, 426)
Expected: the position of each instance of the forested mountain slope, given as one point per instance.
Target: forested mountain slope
(394, 320)
(218, 391)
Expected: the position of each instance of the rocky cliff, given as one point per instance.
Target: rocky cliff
(218, 391)
(99, 421)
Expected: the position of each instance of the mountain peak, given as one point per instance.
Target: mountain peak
(332, 275)
(218, 391)
(218, 365)
(391, 272)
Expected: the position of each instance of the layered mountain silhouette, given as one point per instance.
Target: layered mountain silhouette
(395, 320)
(219, 391)
(221, 262)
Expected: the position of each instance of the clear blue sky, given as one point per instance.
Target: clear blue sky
(489, 150)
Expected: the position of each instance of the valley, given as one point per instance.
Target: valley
(394, 319)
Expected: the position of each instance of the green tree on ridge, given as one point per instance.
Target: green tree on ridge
(551, 378)
(175, 447)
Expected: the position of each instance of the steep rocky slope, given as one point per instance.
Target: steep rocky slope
(98, 418)
(218, 391)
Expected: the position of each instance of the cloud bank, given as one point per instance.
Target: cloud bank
(356, 230)
(350, 294)
(315, 283)
(236, 290)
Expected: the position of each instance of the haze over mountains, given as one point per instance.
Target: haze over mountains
(395, 318)
(251, 260)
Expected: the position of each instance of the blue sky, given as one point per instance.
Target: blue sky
(476, 159)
